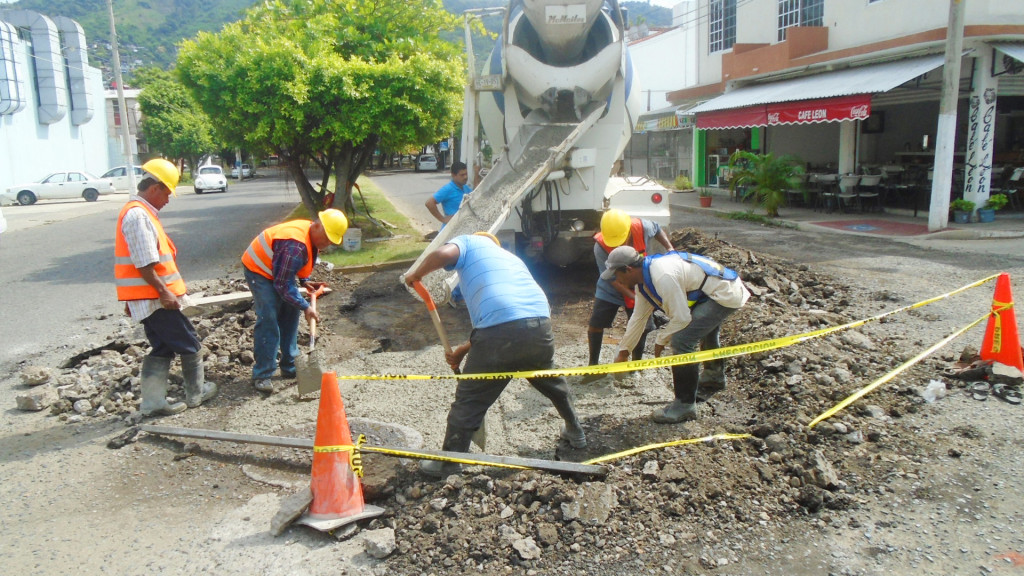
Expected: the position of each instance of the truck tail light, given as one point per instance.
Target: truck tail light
(657, 198)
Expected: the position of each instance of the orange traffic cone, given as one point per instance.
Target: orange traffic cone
(1002, 342)
(337, 492)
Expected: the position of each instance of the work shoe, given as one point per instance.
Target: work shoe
(287, 373)
(677, 411)
(574, 435)
(439, 469)
(264, 385)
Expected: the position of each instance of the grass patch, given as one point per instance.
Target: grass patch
(403, 243)
(758, 218)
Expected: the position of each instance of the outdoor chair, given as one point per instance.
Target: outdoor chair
(848, 191)
(869, 189)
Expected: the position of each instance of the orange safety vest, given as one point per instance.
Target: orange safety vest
(130, 283)
(259, 256)
(636, 230)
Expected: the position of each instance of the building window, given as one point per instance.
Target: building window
(722, 32)
(800, 13)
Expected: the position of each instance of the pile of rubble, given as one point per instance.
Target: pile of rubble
(104, 381)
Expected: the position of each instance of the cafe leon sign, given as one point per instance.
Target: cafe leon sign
(856, 107)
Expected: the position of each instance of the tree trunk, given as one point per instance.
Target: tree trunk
(306, 192)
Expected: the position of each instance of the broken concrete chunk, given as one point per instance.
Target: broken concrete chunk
(527, 549)
(37, 399)
(379, 543)
(35, 375)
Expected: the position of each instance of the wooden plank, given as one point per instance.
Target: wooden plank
(285, 442)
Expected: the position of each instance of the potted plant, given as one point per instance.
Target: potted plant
(704, 195)
(987, 213)
(962, 210)
(765, 177)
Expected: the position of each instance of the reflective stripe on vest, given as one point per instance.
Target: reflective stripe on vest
(693, 297)
(636, 230)
(259, 256)
(127, 278)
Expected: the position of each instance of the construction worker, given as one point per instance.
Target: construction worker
(450, 195)
(618, 229)
(273, 261)
(511, 332)
(148, 281)
(696, 293)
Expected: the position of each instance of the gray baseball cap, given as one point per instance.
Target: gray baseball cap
(618, 258)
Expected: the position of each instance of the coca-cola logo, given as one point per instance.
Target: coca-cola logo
(859, 112)
(773, 118)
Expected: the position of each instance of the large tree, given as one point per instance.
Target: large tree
(172, 121)
(329, 81)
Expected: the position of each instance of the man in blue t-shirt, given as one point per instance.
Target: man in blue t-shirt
(511, 333)
(450, 195)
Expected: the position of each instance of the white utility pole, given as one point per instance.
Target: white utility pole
(945, 135)
(122, 108)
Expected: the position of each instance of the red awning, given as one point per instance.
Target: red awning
(857, 107)
(735, 118)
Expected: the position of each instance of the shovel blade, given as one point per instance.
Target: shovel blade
(308, 374)
(480, 437)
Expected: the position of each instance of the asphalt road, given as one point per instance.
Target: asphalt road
(56, 261)
(408, 190)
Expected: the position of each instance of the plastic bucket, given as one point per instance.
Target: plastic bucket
(352, 240)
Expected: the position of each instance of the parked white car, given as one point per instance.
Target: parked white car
(426, 162)
(210, 178)
(3, 223)
(246, 172)
(59, 186)
(119, 176)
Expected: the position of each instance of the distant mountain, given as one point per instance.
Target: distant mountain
(148, 31)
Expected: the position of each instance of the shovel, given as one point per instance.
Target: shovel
(480, 435)
(307, 367)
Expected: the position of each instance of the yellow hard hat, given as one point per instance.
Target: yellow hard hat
(487, 235)
(163, 171)
(615, 227)
(335, 224)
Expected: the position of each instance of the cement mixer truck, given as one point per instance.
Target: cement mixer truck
(557, 101)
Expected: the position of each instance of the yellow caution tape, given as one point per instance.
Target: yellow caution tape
(658, 446)
(355, 458)
(668, 361)
(422, 456)
(997, 325)
(865, 390)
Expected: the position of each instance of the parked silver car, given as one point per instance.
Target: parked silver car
(210, 178)
(59, 186)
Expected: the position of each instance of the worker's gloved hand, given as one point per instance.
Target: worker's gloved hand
(311, 315)
(314, 286)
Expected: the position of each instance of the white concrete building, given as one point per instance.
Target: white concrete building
(51, 100)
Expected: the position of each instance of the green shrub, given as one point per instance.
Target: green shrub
(996, 201)
(682, 183)
(961, 205)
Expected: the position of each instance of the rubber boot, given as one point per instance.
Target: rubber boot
(197, 389)
(712, 378)
(455, 440)
(154, 373)
(675, 412)
(572, 431)
(594, 341)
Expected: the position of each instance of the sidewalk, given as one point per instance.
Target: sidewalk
(893, 223)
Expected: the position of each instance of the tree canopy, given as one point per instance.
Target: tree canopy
(329, 81)
(172, 121)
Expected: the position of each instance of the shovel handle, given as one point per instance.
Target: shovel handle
(434, 317)
(312, 323)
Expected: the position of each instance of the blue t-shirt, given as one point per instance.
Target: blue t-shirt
(450, 197)
(497, 286)
(605, 290)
